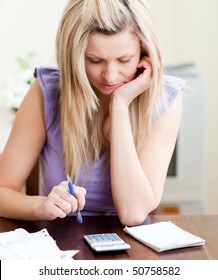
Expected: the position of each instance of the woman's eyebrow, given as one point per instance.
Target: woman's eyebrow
(121, 56)
(92, 55)
(127, 55)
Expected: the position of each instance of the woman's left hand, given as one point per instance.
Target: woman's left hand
(129, 91)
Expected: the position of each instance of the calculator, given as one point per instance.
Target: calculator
(105, 242)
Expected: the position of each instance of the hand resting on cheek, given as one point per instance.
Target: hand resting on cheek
(129, 91)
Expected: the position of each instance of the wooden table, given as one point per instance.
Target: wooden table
(69, 235)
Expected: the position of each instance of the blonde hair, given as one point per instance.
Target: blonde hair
(81, 113)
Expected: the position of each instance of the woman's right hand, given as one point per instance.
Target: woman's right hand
(60, 202)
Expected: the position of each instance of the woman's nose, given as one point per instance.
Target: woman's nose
(110, 73)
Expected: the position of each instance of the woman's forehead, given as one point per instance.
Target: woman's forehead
(122, 42)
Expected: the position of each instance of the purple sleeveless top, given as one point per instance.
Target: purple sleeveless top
(98, 198)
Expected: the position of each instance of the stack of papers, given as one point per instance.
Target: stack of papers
(164, 236)
(22, 245)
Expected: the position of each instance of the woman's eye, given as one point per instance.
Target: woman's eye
(95, 61)
(125, 60)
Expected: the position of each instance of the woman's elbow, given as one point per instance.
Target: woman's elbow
(132, 219)
(135, 218)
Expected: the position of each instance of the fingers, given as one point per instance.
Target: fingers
(52, 211)
(145, 60)
(60, 202)
(145, 63)
(130, 90)
(80, 195)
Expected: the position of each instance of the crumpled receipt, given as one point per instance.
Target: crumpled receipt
(22, 245)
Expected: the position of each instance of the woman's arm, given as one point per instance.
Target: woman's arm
(23, 147)
(138, 181)
(20, 154)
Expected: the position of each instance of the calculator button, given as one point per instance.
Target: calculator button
(106, 242)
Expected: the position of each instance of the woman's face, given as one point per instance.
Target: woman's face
(111, 60)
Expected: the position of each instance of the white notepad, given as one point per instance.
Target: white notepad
(164, 236)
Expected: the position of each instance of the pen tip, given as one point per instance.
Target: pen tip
(79, 217)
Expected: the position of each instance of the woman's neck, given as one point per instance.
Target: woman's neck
(105, 102)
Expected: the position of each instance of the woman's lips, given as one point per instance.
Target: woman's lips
(110, 86)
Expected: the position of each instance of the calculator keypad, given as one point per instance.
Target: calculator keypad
(105, 238)
(106, 242)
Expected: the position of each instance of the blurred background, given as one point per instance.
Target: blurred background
(189, 41)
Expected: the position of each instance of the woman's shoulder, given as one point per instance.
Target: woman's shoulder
(46, 72)
(48, 78)
(173, 86)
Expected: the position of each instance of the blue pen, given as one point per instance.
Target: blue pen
(72, 192)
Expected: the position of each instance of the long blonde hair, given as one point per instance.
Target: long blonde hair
(81, 113)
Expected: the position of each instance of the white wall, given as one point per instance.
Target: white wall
(191, 36)
(187, 30)
(28, 26)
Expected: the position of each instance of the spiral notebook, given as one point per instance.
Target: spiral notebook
(163, 236)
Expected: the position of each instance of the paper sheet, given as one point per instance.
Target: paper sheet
(22, 245)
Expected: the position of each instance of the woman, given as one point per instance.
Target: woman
(107, 116)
